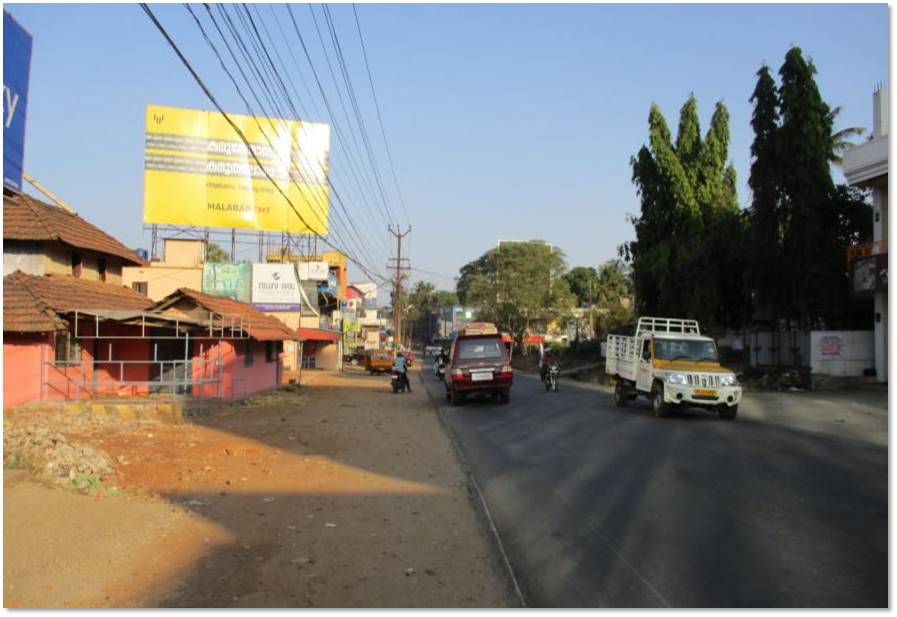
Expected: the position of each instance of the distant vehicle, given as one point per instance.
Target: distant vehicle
(377, 362)
(671, 363)
(439, 367)
(432, 350)
(399, 381)
(551, 377)
(355, 357)
(478, 363)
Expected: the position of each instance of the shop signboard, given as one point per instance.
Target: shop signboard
(275, 287)
(313, 270)
(16, 75)
(229, 280)
(869, 275)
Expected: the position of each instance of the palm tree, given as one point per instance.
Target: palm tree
(842, 140)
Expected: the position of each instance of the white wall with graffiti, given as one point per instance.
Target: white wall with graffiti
(842, 353)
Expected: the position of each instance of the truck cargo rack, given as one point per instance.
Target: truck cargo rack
(664, 324)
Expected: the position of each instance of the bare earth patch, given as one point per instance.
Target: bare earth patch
(339, 495)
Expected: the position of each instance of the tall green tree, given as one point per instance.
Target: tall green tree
(421, 302)
(516, 285)
(583, 282)
(682, 259)
(766, 275)
(801, 223)
(812, 261)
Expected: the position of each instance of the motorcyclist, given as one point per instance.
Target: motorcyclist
(548, 358)
(401, 367)
(442, 357)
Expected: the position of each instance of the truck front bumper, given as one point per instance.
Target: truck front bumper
(686, 395)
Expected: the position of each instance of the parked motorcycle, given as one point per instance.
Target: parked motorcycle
(551, 378)
(399, 381)
(439, 367)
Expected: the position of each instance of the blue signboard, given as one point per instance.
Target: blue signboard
(16, 69)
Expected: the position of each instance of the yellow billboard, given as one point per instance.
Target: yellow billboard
(198, 171)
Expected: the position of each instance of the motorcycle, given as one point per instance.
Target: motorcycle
(551, 378)
(439, 367)
(399, 381)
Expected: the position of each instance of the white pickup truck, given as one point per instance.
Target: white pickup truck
(671, 363)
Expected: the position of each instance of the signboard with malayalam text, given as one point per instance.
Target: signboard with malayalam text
(198, 171)
(16, 75)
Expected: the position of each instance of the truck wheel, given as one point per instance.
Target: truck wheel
(621, 397)
(660, 408)
(728, 413)
(505, 396)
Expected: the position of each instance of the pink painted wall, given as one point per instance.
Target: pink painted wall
(22, 354)
(109, 375)
(237, 380)
(27, 356)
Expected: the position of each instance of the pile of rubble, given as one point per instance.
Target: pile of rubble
(780, 380)
(52, 455)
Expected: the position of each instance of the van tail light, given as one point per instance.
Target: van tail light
(506, 369)
(457, 373)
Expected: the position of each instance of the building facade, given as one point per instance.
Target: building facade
(866, 165)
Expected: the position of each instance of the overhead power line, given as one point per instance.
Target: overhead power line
(243, 138)
(271, 70)
(254, 69)
(351, 165)
(379, 114)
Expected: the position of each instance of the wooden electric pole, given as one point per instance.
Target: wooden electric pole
(400, 266)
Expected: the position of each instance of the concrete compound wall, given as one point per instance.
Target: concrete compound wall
(786, 348)
(842, 353)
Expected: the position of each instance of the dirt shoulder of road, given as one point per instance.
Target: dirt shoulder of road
(340, 494)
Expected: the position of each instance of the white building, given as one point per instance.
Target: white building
(866, 165)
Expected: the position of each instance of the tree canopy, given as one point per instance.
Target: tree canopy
(517, 283)
(686, 258)
(801, 223)
(216, 254)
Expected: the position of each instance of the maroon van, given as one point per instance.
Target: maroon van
(478, 363)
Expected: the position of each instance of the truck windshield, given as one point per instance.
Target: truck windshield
(679, 349)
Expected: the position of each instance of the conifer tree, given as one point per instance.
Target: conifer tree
(765, 275)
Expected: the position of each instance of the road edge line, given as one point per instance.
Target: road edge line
(460, 454)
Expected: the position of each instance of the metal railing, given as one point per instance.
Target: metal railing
(664, 324)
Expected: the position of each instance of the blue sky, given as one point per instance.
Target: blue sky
(504, 121)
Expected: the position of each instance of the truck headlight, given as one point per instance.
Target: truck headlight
(678, 379)
(728, 381)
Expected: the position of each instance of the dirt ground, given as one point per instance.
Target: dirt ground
(339, 495)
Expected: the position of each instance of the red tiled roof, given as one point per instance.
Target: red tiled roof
(25, 312)
(53, 294)
(26, 218)
(259, 326)
(316, 334)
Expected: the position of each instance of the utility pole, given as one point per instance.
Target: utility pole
(400, 265)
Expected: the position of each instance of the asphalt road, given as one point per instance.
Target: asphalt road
(597, 506)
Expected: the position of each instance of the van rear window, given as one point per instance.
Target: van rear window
(479, 349)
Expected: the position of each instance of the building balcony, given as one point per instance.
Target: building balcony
(867, 162)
